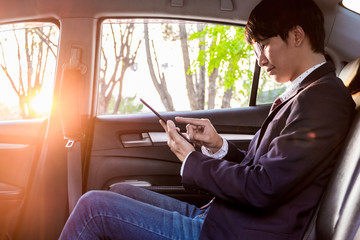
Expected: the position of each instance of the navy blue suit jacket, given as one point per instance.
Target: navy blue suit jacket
(270, 191)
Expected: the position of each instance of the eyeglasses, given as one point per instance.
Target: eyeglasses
(259, 48)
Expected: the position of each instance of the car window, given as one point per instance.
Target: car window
(353, 5)
(268, 89)
(27, 69)
(174, 66)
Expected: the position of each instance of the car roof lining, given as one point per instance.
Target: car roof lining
(337, 18)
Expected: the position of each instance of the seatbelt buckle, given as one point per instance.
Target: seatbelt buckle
(72, 139)
(70, 143)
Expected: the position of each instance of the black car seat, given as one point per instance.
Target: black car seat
(338, 214)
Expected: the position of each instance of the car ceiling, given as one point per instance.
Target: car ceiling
(336, 17)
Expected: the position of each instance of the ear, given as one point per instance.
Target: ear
(298, 35)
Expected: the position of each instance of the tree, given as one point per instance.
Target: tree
(195, 81)
(195, 84)
(32, 57)
(226, 50)
(158, 79)
(127, 105)
(222, 58)
(123, 57)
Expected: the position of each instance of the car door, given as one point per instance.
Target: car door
(20, 145)
(132, 148)
(25, 104)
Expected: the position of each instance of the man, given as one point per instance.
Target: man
(267, 192)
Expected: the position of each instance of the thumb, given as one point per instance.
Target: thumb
(170, 124)
(171, 128)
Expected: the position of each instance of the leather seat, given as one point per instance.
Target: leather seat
(350, 75)
(338, 214)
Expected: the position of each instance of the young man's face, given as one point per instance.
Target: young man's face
(278, 58)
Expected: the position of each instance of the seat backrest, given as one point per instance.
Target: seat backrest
(338, 215)
(350, 75)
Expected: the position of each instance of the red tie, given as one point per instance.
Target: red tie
(276, 103)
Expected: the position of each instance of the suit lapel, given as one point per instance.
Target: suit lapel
(315, 75)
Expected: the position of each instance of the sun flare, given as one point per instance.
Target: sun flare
(41, 104)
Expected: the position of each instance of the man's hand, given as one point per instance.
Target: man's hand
(178, 145)
(202, 133)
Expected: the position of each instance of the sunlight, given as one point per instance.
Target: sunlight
(23, 78)
(41, 104)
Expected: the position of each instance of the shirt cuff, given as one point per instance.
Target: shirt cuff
(219, 154)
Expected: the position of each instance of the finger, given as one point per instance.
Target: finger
(190, 129)
(171, 130)
(199, 137)
(163, 124)
(193, 121)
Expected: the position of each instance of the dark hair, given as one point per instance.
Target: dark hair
(271, 18)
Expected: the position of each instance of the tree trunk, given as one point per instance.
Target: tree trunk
(227, 98)
(200, 84)
(160, 84)
(188, 77)
(212, 88)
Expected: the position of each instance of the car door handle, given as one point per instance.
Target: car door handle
(136, 140)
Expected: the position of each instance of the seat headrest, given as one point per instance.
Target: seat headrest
(350, 75)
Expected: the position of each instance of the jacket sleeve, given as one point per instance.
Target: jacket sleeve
(234, 154)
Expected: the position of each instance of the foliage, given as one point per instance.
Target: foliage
(268, 90)
(127, 105)
(227, 50)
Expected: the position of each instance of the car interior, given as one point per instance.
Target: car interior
(48, 162)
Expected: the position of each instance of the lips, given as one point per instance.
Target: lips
(269, 69)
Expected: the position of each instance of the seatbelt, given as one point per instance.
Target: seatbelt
(74, 172)
(71, 123)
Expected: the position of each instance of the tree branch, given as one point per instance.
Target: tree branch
(4, 68)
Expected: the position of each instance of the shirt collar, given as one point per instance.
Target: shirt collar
(294, 84)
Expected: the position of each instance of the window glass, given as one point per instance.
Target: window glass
(353, 5)
(173, 65)
(27, 69)
(268, 89)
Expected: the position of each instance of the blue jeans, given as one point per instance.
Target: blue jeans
(128, 212)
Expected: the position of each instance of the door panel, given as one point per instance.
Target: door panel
(20, 143)
(132, 149)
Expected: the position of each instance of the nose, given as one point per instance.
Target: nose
(262, 60)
